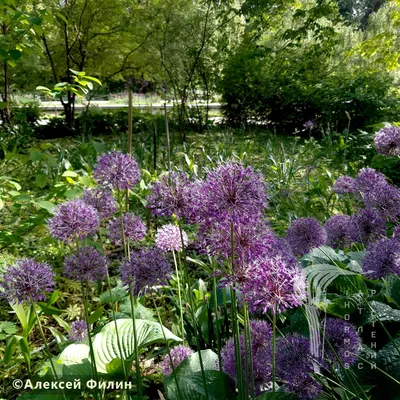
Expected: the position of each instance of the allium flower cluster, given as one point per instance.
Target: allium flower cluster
(370, 180)
(386, 200)
(251, 240)
(170, 195)
(344, 340)
(146, 268)
(261, 336)
(387, 141)
(27, 281)
(273, 285)
(233, 191)
(72, 220)
(304, 235)
(368, 225)
(86, 266)
(344, 185)
(134, 229)
(382, 259)
(340, 230)
(396, 233)
(169, 238)
(178, 354)
(78, 331)
(294, 364)
(118, 170)
(102, 200)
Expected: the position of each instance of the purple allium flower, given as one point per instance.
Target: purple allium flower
(261, 335)
(273, 285)
(368, 225)
(146, 268)
(27, 281)
(309, 124)
(178, 354)
(345, 341)
(116, 169)
(168, 238)
(134, 229)
(344, 184)
(232, 191)
(294, 364)
(72, 220)
(339, 229)
(385, 199)
(387, 141)
(170, 195)
(78, 331)
(86, 266)
(251, 240)
(304, 235)
(382, 259)
(102, 200)
(368, 180)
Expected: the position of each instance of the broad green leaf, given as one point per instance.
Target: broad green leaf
(72, 174)
(41, 180)
(377, 311)
(47, 205)
(389, 358)
(106, 347)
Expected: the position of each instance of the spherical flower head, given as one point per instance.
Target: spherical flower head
(116, 169)
(369, 226)
(368, 179)
(102, 200)
(178, 354)
(304, 235)
(168, 238)
(146, 268)
(27, 281)
(294, 364)
(78, 331)
(382, 259)
(251, 240)
(387, 141)
(134, 229)
(344, 339)
(261, 336)
(340, 230)
(273, 285)
(74, 220)
(170, 195)
(386, 200)
(344, 185)
(232, 191)
(86, 266)
(309, 124)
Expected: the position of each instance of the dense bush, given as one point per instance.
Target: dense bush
(290, 89)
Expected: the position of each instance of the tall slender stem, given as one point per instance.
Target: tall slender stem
(135, 343)
(179, 294)
(92, 358)
(47, 347)
(191, 302)
(273, 348)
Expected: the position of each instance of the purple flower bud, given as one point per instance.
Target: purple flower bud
(344, 185)
(340, 230)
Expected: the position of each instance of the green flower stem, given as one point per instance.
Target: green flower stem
(135, 343)
(191, 302)
(217, 332)
(47, 348)
(168, 349)
(249, 347)
(177, 272)
(120, 209)
(273, 348)
(93, 360)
